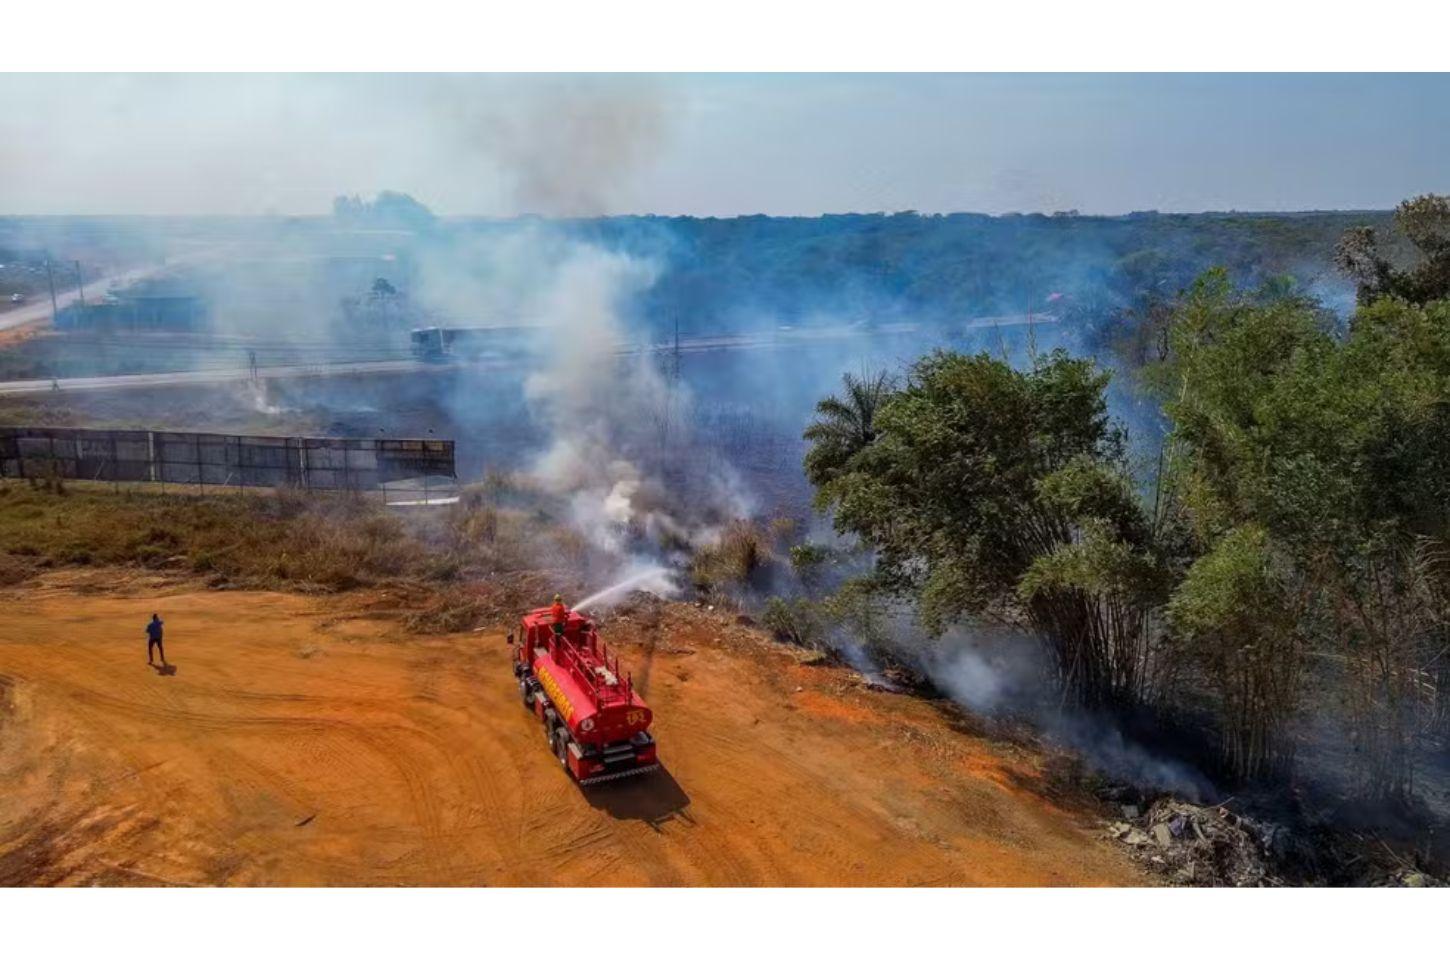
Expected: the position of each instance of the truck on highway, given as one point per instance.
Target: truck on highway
(441, 344)
(596, 724)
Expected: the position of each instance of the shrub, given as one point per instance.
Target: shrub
(808, 561)
(796, 621)
(742, 550)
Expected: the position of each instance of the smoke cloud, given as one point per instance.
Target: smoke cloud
(618, 427)
(1000, 672)
(598, 408)
(287, 144)
(568, 148)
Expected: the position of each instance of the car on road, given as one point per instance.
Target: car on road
(17, 298)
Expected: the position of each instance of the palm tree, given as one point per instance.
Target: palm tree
(844, 425)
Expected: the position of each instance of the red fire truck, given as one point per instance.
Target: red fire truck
(596, 724)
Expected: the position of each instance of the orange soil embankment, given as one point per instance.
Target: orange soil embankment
(310, 741)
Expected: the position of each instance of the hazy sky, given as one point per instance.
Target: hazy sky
(721, 145)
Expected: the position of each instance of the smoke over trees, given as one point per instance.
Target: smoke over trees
(992, 491)
(1312, 473)
(388, 210)
(1288, 557)
(1425, 223)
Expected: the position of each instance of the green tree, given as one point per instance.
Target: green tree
(844, 425)
(989, 491)
(1310, 465)
(1423, 221)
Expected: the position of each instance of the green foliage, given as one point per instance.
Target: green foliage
(1423, 221)
(856, 613)
(858, 609)
(1301, 513)
(1237, 613)
(961, 449)
(844, 425)
(992, 491)
(1086, 488)
(1307, 460)
(809, 560)
(1097, 563)
(796, 621)
(1228, 589)
(1328, 441)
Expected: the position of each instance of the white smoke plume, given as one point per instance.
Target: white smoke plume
(597, 405)
(619, 445)
(998, 671)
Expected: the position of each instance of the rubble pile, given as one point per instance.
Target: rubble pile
(1208, 846)
(1211, 845)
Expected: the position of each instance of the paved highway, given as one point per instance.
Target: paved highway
(783, 338)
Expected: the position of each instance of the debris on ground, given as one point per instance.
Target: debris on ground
(1198, 845)
(1215, 845)
(1412, 878)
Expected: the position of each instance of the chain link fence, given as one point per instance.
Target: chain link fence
(217, 459)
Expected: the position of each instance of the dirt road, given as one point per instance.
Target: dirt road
(39, 309)
(312, 741)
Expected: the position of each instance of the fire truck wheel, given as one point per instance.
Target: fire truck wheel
(561, 748)
(526, 695)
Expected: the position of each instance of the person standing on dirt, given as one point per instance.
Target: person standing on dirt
(153, 638)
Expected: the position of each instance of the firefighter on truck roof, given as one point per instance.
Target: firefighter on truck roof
(560, 613)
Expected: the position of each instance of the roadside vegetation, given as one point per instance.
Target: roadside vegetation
(1288, 554)
(285, 538)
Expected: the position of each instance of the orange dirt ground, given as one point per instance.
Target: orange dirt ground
(310, 741)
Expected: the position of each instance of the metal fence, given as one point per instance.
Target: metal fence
(202, 459)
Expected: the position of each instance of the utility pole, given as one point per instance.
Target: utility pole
(674, 376)
(50, 278)
(675, 370)
(664, 418)
(80, 284)
(1031, 332)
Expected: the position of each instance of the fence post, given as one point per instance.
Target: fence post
(155, 469)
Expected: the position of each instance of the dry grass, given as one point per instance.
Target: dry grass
(499, 527)
(288, 538)
(742, 550)
(329, 542)
(464, 606)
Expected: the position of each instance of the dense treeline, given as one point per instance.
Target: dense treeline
(873, 267)
(1113, 274)
(1290, 550)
